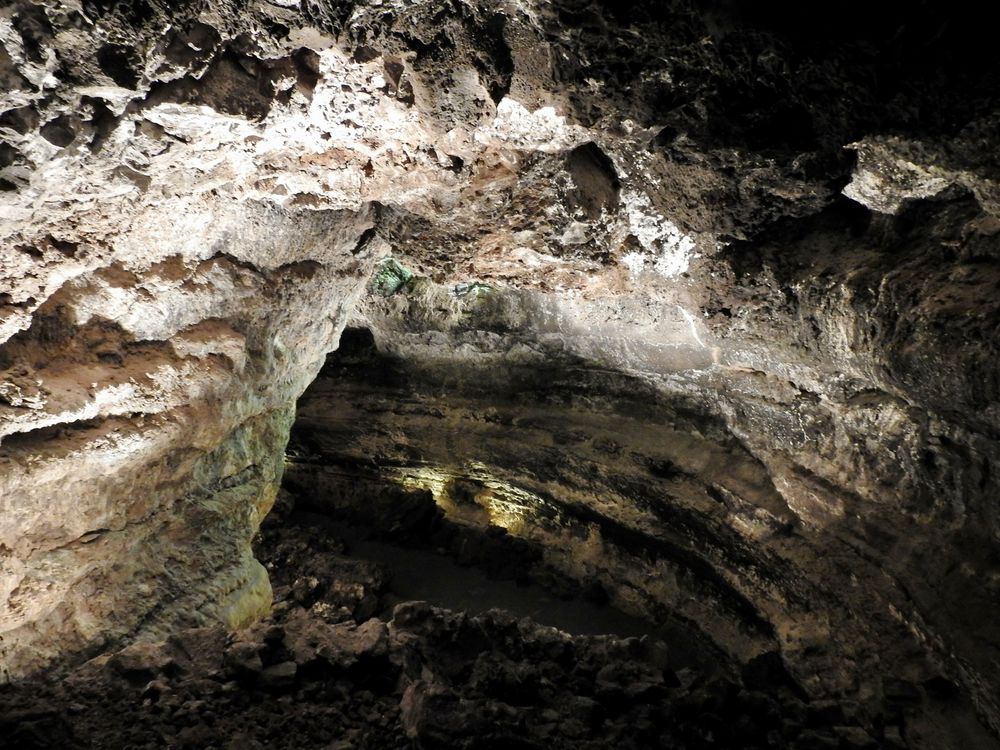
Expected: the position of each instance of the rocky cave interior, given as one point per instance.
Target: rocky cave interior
(514, 374)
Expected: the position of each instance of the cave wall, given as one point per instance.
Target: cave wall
(657, 461)
(784, 226)
(145, 418)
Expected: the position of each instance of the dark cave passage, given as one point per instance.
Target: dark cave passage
(411, 571)
(447, 526)
(516, 471)
(564, 481)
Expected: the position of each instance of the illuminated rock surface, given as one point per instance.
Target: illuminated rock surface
(704, 313)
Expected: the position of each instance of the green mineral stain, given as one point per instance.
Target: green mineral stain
(390, 278)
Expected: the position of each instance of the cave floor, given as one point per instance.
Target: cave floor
(346, 660)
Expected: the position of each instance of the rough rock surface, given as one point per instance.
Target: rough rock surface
(611, 480)
(779, 224)
(321, 673)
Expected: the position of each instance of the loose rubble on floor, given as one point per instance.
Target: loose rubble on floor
(340, 664)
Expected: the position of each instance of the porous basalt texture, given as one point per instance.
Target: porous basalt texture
(779, 225)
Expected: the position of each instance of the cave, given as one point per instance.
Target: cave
(484, 375)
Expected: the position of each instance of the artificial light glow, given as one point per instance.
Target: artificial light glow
(498, 503)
